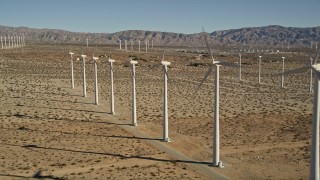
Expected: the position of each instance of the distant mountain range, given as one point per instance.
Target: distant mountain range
(272, 35)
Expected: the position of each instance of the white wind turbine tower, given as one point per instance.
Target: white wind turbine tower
(314, 158)
(134, 104)
(152, 43)
(1, 43)
(111, 87)
(87, 42)
(5, 42)
(125, 45)
(139, 44)
(95, 80)
(259, 70)
(146, 46)
(72, 77)
(165, 100)
(84, 75)
(120, 43)
(282, 76)
(310, 82)
(240, 66)
(216, 140)
(12, 43)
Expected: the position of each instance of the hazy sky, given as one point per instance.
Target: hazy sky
(185, 16)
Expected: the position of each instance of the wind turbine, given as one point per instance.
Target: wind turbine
(259, 70)
(165, 100)
(310, 82)
(134, 104)
(95, 80)
(146, 46)
(1, 43)
(139, 44)
(5, 42)
(240, 66)
(125, 45)
(314, 162)
(84, 74)
(152, 43)
(72, 77)
(120, 43)
(87, 42)
(282, 76)
(111, 86)
(216, 143)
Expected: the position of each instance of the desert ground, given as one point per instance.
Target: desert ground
(51, 131)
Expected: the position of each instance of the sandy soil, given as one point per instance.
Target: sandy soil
(50, 131)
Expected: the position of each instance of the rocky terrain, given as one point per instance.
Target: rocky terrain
(49, 130)
(273, 35)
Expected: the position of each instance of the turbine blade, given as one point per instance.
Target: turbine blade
(204, 78)
(317, 56)
(207, 43)
(163, 55)
(295, 71)
(164, 47)
(224, 63)
(175, 84)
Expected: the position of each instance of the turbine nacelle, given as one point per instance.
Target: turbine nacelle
(111, 60)
(316, 67)
(95, 58)
(133, 62)
(165, 63)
